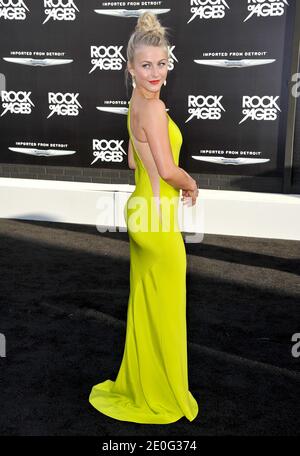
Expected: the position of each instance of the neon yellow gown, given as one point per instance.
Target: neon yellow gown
(152, 382)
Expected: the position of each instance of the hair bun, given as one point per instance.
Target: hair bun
(148, 22)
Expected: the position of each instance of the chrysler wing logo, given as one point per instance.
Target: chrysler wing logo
(130, 13)
(42, 152)
(119, 110)
(231, 161)
(37, 62)
(234, 63)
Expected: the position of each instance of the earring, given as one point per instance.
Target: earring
(165, 82)
(133, 82)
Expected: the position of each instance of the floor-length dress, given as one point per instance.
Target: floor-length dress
(152, 382)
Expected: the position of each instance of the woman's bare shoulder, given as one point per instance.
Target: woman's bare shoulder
(153, 109)
(154, 105)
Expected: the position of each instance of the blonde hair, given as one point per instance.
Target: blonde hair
(149, 32)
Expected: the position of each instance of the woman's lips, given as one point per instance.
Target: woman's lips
(154, 82)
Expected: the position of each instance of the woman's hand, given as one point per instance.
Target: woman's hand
(189, 196)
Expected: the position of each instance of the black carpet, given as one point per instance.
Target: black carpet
(64, 293)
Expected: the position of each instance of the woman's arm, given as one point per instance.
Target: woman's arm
(156, 130)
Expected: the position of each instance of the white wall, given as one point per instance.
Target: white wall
(265, 215)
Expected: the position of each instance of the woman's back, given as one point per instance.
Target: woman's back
(147, 178)
(141, 145)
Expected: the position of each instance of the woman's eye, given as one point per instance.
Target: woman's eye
(147, 64)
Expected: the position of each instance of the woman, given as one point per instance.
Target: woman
(152, 382)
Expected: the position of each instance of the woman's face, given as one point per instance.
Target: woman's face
(150, 64)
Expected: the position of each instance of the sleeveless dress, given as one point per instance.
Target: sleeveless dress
(152, 382)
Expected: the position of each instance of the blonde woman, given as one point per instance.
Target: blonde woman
(152, 382)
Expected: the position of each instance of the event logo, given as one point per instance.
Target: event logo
(171, 58)
(202, 107)
(260, 108)
(108, 150)
(106, 58)
(60, 10)
(16, 102)
(208, 9)
(63, 104)
(13, 10)
(111, 58)
(264, 8)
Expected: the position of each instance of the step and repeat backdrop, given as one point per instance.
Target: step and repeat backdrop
(63, 97)
(295, 181)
